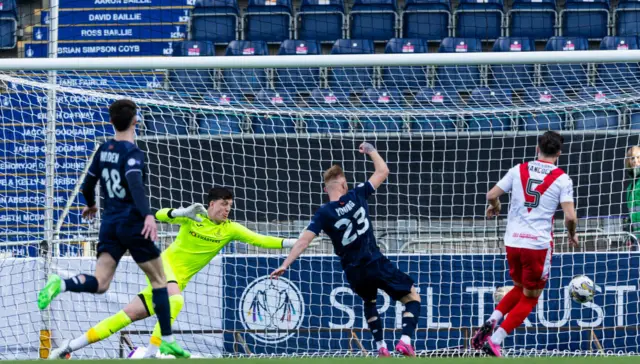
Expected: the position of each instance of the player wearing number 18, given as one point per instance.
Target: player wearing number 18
(536, 187)
(127, 224)
(345, 219)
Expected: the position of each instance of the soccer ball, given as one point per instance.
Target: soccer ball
(582, 289)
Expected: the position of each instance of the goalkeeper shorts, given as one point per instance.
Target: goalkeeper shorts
(146, 295)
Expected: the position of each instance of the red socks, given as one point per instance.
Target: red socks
(510, 300)
(519, 313)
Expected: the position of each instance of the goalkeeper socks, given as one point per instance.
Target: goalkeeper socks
(108, 326)
(516, 317)
(163, 312)
(75, 284)
(507, 303)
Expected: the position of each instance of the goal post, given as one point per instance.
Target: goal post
(449, 126)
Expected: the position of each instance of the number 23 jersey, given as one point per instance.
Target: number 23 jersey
(536, 190)
(347, 224)
(113, 161)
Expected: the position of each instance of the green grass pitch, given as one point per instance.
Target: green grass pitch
(479, 360)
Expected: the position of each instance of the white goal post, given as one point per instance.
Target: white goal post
(449, 125)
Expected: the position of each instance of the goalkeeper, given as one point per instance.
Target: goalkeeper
(632, 164)
(203, 233)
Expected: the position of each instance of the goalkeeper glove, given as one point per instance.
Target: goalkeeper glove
(190, 212)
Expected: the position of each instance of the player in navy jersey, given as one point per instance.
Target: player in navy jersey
(345, 219)
(127, 224)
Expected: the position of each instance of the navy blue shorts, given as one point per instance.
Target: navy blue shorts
(379, 274)
(119, 236)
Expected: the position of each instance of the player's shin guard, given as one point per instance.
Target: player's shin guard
(163, 311)
(107, 327)
(176, 301)
(515, 318)
(75, 284)
(375, 325)
(509, 301)
(409, 322)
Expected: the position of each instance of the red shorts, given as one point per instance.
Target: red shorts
(529, 267)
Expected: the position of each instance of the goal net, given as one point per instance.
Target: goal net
(448, 132)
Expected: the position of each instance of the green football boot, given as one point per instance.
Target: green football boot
(174, 349)
(49, 292)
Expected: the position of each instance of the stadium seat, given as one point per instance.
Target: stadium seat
(426, 19)
(534, 19)
(321, 20)
(271, 122)
(192, 81)
(389, 100)
(479, 19)
(459, 77)
(162, 121)
(8, 24)
(441, 108)
(244, 80)
(409, 77)
(634, 118)
(219, 122)
(215, 21)
(595, 116)
(373, 19)
(626, 17)
(347, 79)
(333, 119)
(268, 20)
(565, 75)
(618, 77)
(516, 76)
(537, 98)
(585, 18)
(498, 116)
(298, 79)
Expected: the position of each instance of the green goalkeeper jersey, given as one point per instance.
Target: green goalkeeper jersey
(199, 242)
(633, 203)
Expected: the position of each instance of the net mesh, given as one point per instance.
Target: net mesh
(445, 150)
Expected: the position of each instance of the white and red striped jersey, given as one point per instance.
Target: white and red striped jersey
(537, 188)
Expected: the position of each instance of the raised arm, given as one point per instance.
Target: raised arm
(182, 215)
(245, 235)
(381, 170)
(298, 248)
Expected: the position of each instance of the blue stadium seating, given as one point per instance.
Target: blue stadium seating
(405, 78)
(298, 79)
(438, 101)
(565, 75)
(215, 21)
(268, 20)
(627, 18)
(272, 123)
(192, 81)
(618, 77)
(346, 79)
(8, 24)
(585, 18)
(516, 76)
(493, 99)
(543, 97)
(388, 99)
(426, 19)
(163, 121)
(459, 77)
(321, 20)
(219, 122)
(244, 80)
(532, 19)
(479, 19)
(596, 117)
(326, 99)
(373, 19)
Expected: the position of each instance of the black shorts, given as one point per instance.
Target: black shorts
(119, 236)
(379, 274)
